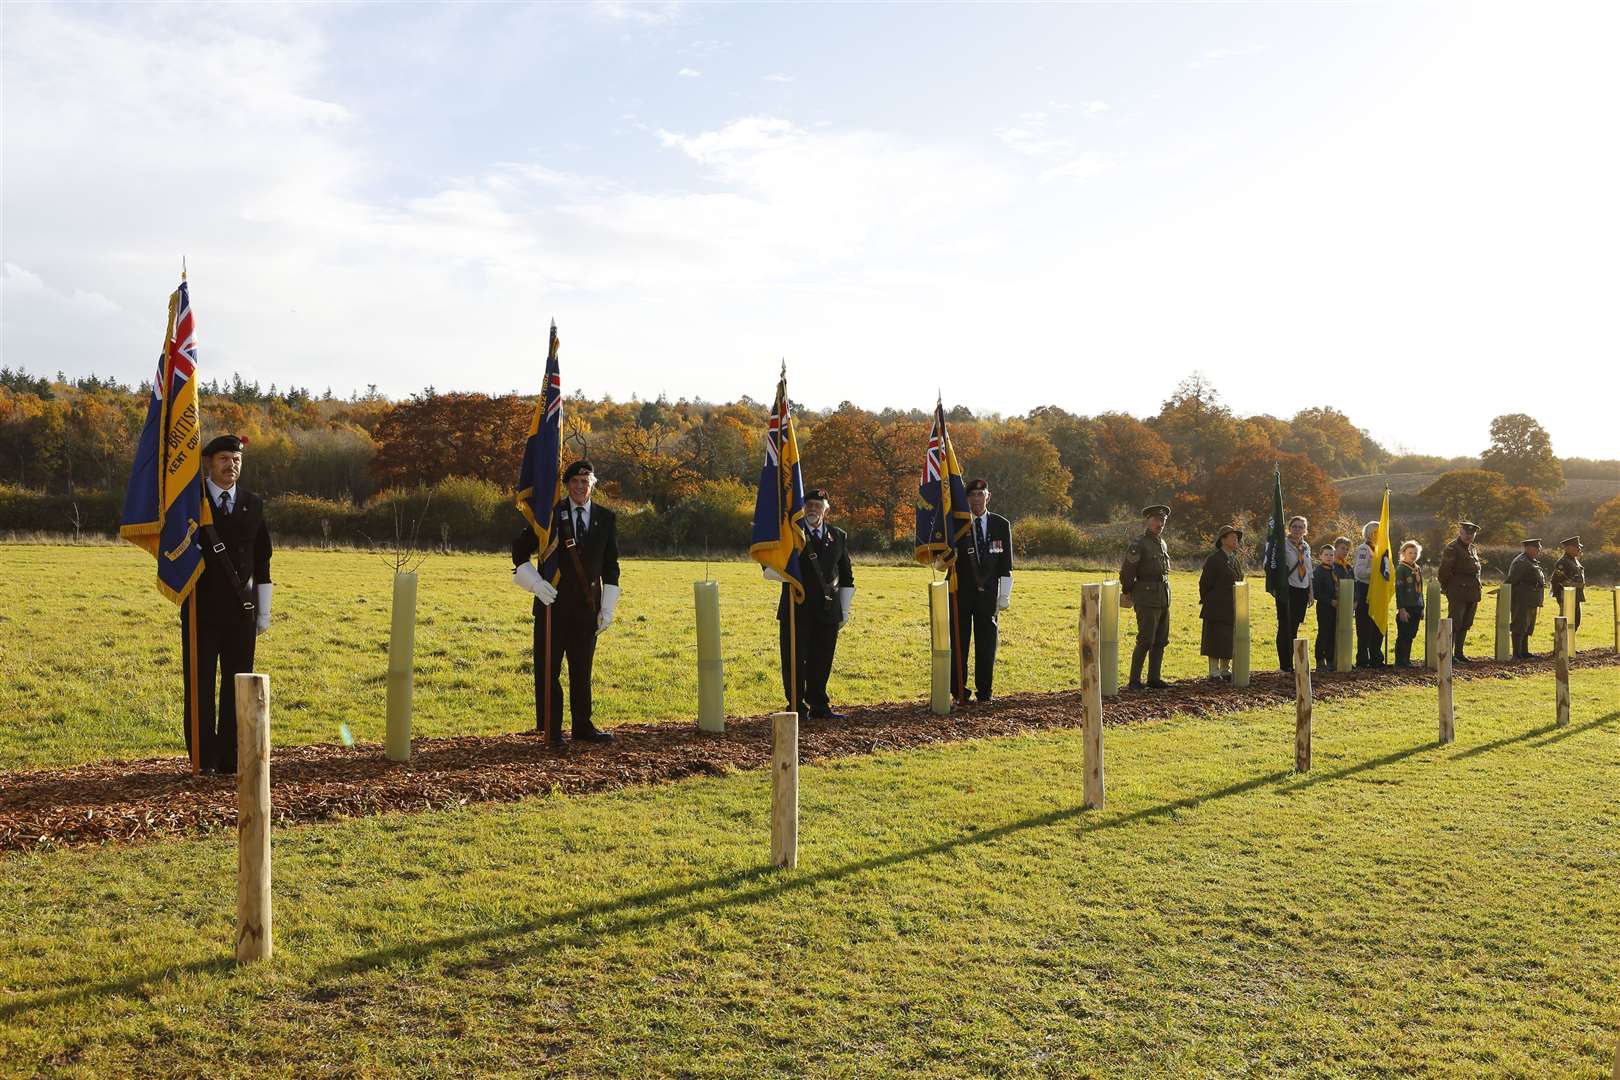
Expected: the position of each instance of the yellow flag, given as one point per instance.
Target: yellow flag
(1381, 585)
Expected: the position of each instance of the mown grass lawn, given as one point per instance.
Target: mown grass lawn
(1404, 910)
(91, 652)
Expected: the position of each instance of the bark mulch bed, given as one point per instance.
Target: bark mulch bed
(143, 800)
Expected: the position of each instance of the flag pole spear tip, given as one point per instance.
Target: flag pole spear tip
(182, 268)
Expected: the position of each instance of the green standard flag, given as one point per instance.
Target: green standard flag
(1276, 558)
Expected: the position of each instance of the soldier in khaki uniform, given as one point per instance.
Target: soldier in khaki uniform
(1459, 577)
(1528, 585)
(1144, 584)
(1569, 571)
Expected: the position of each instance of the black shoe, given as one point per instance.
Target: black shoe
(589, 733)
(985, 699)
(1134, 684)
(826, 714)
(1460, 659)
(1157, 684)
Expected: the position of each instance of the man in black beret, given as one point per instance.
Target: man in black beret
(582, 603)
(983, 591)
(829, 592)
(233, 602)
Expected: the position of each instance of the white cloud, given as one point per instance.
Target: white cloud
(778, 77)
(1082, 167)
(689, 73)
(637, 13)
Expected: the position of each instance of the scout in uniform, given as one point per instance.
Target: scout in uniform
(1569, 571)
(1369, 639)
(829, 592)
(1459, 577)
(1291, 606)
(1217, 605)
(233, 602)
(1408, 601)
(582, 603)
(983, 590)
(1325, 586)
(1529, 590)
(1144, 584)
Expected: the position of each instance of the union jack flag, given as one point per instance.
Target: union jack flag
(942, 513)
(540, 486)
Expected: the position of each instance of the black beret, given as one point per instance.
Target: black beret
(979, 484)
(817, 493)
(577, 468)
(228, 444)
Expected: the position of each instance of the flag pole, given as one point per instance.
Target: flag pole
(956, 635)
(548, 674)
(191, 666)
(793, 649)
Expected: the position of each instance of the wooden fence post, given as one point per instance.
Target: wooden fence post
(1431, 627)
(939, 640)
(1344, 623)
(1109, 657)
(1443, 651)
(1561, 666)
(711, 665)
(1091, 693)
(1302, 705)
(253, 937)
(401, 667)
(785, 789)
(1504, 623)
(1240, 633)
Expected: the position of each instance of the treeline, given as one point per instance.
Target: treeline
(683, 472)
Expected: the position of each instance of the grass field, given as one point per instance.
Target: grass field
(91, 656)
(1404, 910)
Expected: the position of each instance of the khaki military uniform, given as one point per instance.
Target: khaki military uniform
(1529, 591)
(1144, 577)
(1459, 577)
(1568, 571)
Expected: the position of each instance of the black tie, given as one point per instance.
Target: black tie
(579, 522)
(225, 502)
(981, 536)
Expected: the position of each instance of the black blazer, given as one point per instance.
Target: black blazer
(825, 568)
(247, 542)
(598, 552)
(977, 572)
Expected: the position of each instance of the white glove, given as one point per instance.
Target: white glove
(527, 578)
(773, 574)
(261, 607)
(1003, 593)
(846, 597)
(610, 601)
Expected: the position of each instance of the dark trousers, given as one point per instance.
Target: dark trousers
(573, 638)
(1152, 635)
(976, 627)
(1291, 605)
(1327, 633)
(1369, 639)
(817, 643)
(1462, 617)
(1558, 608)
(1524, 624)
(224, 650)
(1405, 632)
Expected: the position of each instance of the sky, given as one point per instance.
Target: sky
(1406, 211)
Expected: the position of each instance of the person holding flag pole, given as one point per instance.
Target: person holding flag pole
(578, 575)
(943, 519)
(1375, 588)
(201, 543)
(778, 534)
(1288, 567)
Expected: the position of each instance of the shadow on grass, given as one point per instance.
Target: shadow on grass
(1562, 734)
(629, 914)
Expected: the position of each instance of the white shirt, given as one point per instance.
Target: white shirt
(573, 507)
(981, 526)
(1363, 565)
(214, 492)
(1299, 562)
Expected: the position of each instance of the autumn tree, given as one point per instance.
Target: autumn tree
(1483, 496)
(1200, 430)
(1329, 438)
(433, 436)
(1521, 451)
(1078, 442)
(1137, 466)
(1240, 490)
(1025, 474)
(1605, 528)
